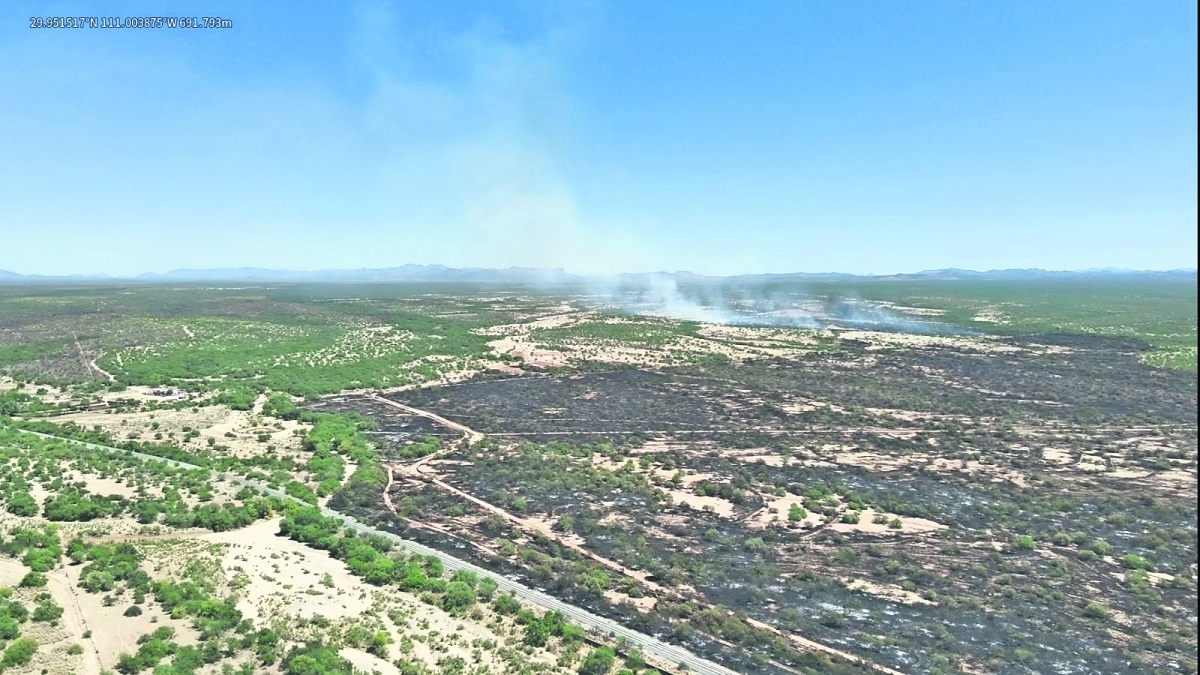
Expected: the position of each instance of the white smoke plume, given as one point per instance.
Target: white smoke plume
(750, 305)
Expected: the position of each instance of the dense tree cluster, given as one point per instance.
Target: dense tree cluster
(76, 505)
(15, 402)
(38, 548)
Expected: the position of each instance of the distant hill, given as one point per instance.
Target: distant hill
(426, 273)
(1039, 274)
(527, 275)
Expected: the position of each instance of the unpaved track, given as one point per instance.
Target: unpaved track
(662, 650)
(92, 363)
(414, 470)
(530, 525)
(76, 624)
(803, 643)
(667, 652)
(471, 435)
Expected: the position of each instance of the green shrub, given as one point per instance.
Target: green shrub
(459, 597)
(487, 587)
(19, 653)
(506, 604)
(33, 580)
(599, 662)
(47, 612)
(1136, 562)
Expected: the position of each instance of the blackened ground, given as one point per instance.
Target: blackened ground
(998, 607)
(1081, 386)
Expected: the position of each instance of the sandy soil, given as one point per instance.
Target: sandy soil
(564, 317)
(529, 351)
(276, 579)
(918, 311)
(887, 592)
(721, 507)
(881, 340)
(53, 640)
(911, 525)
(617, 598)
(283, 578)
(103, 486)
(112, 633)
(280, 573)
(873, 461)
(368, 663)
(775, 510)
(736, 343)
(211, 421)
(991, 315)
(1056, 455)
(765, 336)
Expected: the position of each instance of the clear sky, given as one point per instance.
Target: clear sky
(716, 137)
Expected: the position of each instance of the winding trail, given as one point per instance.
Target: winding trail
(92, 363)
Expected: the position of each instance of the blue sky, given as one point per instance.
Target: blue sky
(721, 138)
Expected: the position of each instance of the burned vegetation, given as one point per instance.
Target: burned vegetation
(923, 508)
(1015, 492)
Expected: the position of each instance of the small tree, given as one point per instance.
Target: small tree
(459, 596)
(1136, 562)
(378, 644)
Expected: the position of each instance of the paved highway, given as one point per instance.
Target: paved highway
(666, 652)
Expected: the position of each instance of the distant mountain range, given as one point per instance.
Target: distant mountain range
(527, 275)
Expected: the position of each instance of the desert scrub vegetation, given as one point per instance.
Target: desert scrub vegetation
(286, 340)
(888, 493)
(42, 460)
(301, 358)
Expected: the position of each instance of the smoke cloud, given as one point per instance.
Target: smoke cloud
(751, 305)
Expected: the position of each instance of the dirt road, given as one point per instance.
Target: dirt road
(470, 434)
